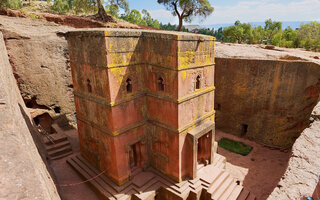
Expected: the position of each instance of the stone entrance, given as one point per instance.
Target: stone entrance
(204, 149)
(202, 141)
(135, 156)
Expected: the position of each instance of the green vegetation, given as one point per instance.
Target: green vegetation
(234, 146)
(13, 4)
(171, 27)
(307, 36)
(135, 17)
(186, 9)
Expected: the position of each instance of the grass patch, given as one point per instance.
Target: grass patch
(234, 146)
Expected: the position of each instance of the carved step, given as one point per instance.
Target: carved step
(235, 193)
(146, 187)
(215, 186)
(60, 151)
(61, 156)
(136, 171)
(118, 192)
(51, 147)
(55, 138)
(228, 191)
(222, 188)
(100, 189)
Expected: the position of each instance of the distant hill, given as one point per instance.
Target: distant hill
(293, 25)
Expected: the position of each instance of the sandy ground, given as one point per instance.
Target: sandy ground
(260, 171)
(66, 175)
(262, 168)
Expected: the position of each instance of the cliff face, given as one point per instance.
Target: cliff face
(269, 101)
(40, 61)
(22, 171)
(302, 174)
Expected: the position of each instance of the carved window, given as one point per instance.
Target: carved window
(89, 87)
(198, 82)
(160, 84)
(128, 85)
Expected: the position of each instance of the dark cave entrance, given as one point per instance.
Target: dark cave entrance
(244, 130)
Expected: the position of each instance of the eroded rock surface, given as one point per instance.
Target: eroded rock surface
(302, 174)
(23, 174)
(40, 61)
(265, 95)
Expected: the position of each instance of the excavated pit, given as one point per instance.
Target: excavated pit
(263, 95)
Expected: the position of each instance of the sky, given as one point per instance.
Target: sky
(228, 11)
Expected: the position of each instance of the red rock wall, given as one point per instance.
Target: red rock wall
(274, 98)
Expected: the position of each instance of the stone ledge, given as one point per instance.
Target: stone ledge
(113, 32)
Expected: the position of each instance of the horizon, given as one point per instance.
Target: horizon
(246, 11)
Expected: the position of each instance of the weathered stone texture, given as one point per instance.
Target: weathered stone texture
(302, 174)
(274, 98)
(23, 175)
(40, 62)
(111, 119)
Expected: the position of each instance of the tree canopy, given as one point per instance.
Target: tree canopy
(187, 9)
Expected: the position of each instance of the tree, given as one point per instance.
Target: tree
(147, 17)
(258, 35)
(102, 13)
(309, 35)
(135, 17)
(272, 28)
(239, 33)
(186, 9)
(219, 34)
(113, 10)
(233, 34)
(85, 6)
(61, 6)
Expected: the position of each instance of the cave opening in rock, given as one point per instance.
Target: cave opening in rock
(57, 109)
(45, 122)
(244, 130)
(32, 103)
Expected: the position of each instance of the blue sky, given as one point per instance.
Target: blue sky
(228, 11)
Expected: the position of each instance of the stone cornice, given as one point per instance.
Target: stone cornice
(144, 122)
(105, 102)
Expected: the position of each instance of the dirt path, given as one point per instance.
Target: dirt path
(263, 167)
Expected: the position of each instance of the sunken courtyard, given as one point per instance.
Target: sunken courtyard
(106, 113)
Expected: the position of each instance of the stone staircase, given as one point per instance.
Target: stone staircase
(212, 183)
(57, 144)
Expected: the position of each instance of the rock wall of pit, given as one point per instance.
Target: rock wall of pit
(40, 61)
(269, 101)
(303, 171)
(23, 174)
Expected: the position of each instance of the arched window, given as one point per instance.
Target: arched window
(128, 85)
(160, 84)
(198, 82)
(89, 86)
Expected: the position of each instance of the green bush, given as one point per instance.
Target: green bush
(13, 4)
(60, 6)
